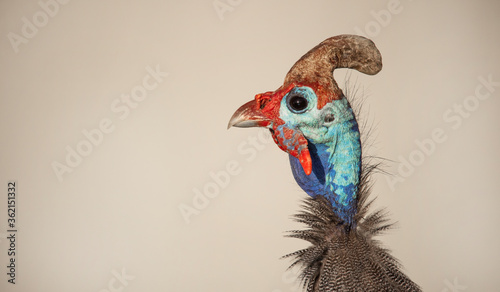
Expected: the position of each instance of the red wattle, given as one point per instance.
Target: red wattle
(305, 161)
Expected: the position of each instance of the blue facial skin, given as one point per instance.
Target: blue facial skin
(335, 149)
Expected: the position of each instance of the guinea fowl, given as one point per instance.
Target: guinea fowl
(310, 118)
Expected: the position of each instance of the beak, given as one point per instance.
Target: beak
(248, 115)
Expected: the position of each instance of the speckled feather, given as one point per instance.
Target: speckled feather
(340, 260)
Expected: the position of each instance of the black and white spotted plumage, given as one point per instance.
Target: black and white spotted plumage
(343, 259)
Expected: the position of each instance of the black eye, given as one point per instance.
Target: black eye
(297, 103)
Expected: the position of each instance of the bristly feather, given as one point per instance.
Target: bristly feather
(347, 260)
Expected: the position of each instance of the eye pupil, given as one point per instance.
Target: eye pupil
(297, 103)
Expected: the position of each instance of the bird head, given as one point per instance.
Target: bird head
(310, 106)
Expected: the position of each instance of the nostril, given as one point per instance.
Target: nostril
(262, 99)
(329, 118)
(262, 102)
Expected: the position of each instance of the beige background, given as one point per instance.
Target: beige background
(118, 209)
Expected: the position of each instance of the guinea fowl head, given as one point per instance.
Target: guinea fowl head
(310, 119)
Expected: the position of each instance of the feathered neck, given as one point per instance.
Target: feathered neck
(336, 168)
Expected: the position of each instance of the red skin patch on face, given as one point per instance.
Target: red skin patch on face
(269, 102)
(288, 133)
(294, 143)
(289, 140)
(305, 161)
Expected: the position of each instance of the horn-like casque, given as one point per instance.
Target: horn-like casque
(342, 51)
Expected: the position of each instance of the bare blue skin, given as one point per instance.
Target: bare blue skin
(335, 148)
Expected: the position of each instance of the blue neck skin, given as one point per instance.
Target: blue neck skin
(336, 167)
(333, 141)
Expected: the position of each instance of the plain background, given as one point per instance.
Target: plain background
(118, 210)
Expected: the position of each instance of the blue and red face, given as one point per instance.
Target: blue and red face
(265, 111)
(295, 114)
(322, 137)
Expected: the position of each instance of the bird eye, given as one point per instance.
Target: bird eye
(297, 103)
